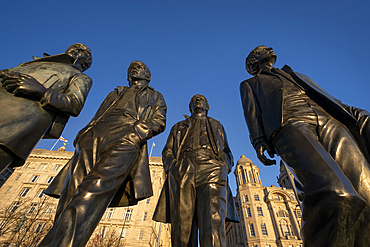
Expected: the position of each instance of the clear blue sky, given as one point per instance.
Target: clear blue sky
(196, 47)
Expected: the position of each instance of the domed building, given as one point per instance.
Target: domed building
(269, 216)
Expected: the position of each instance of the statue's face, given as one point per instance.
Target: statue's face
(198, 102)
(78, 53)
(137, 72)
(266, 54)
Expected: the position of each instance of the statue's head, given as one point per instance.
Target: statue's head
(81, 55)
(138, 71)
(198, 101)
(257, 56)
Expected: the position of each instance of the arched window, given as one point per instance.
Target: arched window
(245, 198)
(259, 211)
(251, 230)
(264, 229)
(257, 178)
(277, 198)
(281, 213)
(256, 197)
(285, 228)
(248, 212)
(250, 177)
(243, 175)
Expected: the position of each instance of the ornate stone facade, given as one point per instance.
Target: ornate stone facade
(269, 216)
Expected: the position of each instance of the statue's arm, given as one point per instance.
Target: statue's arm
(72, 100)
(155, 122)
(252, 115)
(226, 154)
(363, 122)
(168, 156)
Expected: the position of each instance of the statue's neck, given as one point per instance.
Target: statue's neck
(201, 114)
(139, 83)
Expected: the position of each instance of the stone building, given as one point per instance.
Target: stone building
(131, 226)
(269, 216)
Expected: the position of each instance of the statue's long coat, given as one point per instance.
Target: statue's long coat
(171, 155)
(150, 108)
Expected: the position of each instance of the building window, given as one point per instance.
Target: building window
(293, 197)
(147, 201)
(6, 173)
(32, 208)
(248, 211)
(50, 209)
(285, 229)
(103, 231)
(49, 180)
(145, 216)
(57, 167)
(264, 229)
(26, 165)
(121, 233)
(39, 227)
(42, 166)
(259, 211)
(109, 213)
(127, 215)
(24, 192)
(141, 234)
(298, 214)
(18, 176)
(152, 174)
(7, 190)
(245, 198)
(281, 214)
(243, 175)
(34, 178)
(251, 230)
(3, 224)
(256, 197)
(250, 177)
(14, 206)
(257, 178)
(40, 193)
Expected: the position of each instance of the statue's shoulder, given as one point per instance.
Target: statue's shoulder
(249, 82)
(210, 119)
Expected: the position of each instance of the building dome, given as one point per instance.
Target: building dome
(244, 160)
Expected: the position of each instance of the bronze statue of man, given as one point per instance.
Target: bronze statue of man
(37, 98)
(196, 194)
(110, 166)
(324, 141)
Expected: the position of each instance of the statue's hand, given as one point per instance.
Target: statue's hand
(261, 147)
(21, 84)
(168, 167)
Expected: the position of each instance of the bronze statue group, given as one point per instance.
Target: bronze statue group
(325, 142)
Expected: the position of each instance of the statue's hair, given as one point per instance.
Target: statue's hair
(202, 96)
(87, 63)
(251, 62)
(148, 75)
